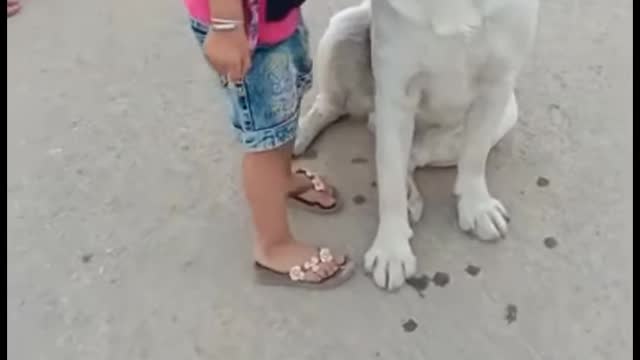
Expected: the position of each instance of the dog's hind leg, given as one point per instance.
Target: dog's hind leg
(414, 199)
(322, 114)
(431, 147)
(436, 147)
(343, 73)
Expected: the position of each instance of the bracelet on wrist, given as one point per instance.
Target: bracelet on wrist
(215, 20)
(221, 25)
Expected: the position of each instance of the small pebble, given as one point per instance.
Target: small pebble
(359, 199)
(441, 279)
(86, 258)
(550, 242)
(511, 313)
(374, 184)
(472, 270)
(410, 325)
(542, 182)
(419, 283)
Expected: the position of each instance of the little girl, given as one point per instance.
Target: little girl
(259, 49)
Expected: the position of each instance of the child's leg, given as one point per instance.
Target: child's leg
(265, 113)
(267, 181)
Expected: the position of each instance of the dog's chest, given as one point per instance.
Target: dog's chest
(448, 72)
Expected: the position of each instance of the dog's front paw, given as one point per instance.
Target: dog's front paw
(390, 259)
(484, 216)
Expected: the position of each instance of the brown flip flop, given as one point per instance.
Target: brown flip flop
(296, 275)
(317, 184)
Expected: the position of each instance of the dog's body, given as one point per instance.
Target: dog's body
(440, 75)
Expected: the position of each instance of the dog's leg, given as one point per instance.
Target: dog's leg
(509, 119)
(322, 114)
(390, 258)
(371, 123)
(478, 211)
(414, 198)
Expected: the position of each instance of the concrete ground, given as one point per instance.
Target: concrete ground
(128, 235)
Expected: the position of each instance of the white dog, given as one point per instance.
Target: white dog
(440, 75)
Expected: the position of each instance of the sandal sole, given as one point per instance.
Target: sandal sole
(318, 210)
(268, 277)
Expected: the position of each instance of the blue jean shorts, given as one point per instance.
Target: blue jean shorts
(265, 106)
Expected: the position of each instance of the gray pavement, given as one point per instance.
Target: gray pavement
(128, 236)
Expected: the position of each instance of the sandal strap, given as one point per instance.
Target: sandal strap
(299, 272)
(316, 181)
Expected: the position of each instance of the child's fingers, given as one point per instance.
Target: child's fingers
(235, 72)
(238, 70)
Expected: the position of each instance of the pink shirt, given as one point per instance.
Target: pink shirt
(268, 32)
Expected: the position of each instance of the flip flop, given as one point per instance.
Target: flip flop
(319, 185)
(297, 274)
(13, 7)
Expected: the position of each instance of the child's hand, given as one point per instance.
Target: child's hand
(228, 52)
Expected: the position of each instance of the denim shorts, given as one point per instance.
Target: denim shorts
(265, 106)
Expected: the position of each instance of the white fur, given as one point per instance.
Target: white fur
(444, 73)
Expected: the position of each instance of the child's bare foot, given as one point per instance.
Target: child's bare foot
(313, 192)
(291, 256)
(13, 6)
